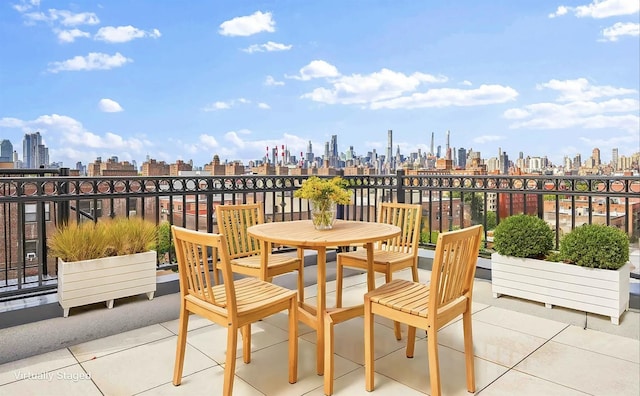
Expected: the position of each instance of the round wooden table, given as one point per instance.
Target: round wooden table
(302, 234)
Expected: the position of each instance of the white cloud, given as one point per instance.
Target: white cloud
(390, 89)
(445, 97)
(220, 105)
(11, 122)
(581, 89)
(123, 34)
(109, 106)
(93, 61)
(316, 69)
(26, 5)
(62, 17)
(217, 106)
(233, 138)
(619, 29)
(69, 36)
(466, 83)
(71, 132)
(577, 108)
(269, 46)
(248, 25)
(264, 106)
(487, 139)
(562, 10)
(272, 81)
(68, 18)
(208, 141)
(600, 9)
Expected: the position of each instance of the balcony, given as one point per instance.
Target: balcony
(518, 344)
(130, 349)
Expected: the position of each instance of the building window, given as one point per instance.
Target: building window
(30, 249)
(31, 212)
(93, 208)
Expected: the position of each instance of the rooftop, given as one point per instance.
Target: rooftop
(519, 345)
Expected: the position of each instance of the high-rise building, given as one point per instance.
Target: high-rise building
(390, 148)
(333, 155)
(596, 157)
(504, 163)
(309, 153)
(432, 149)
(34, 153)
(462, 157)
(6, 151)
(614, 158)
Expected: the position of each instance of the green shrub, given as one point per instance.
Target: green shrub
(523, 236)
(596, 246)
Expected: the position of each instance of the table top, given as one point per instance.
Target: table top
(303, 233)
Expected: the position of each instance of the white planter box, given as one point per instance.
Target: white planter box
(603, 292)
(105, 279)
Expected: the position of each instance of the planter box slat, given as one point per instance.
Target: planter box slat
(107, 273)
(541, 276)
(105, 279)
(603, 292)
(555, 292)
(548, 284)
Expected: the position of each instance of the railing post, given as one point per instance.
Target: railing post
(64, 209)
(340, 208)
(400, 186)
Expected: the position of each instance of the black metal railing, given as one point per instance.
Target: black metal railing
(34, 202)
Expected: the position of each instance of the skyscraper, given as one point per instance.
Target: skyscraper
(462, 158)
(614, 158)
(390, 148)
(333, 155)
(6, 151)
(34, 153)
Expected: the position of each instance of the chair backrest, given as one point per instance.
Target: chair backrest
(233, 221)
(405, 216)
(454, 267)
(197, 252)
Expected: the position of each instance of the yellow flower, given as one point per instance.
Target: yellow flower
(324, 190)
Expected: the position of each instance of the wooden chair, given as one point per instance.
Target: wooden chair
(391, 255)
(233, 304)
(432, 306)
(244, 251)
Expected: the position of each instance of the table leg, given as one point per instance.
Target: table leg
(322, 306)
(371, 278)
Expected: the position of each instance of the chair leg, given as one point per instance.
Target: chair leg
(293, 341)
(180, 346)
(216, 276)
(468, 350)
(434, 367)
(328, 354)
(411, 341)
(414, 272)
(396, 324)
(301, 276)
(368, 346)
(246, 343)
(338, 283)
(230, 361)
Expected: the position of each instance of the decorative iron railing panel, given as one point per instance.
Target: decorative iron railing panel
(34, 202)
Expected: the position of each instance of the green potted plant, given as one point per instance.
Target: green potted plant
(589, 273)
(523, 236)
(104, 261)
(323, 195)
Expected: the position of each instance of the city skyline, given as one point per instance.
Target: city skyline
(547, 78)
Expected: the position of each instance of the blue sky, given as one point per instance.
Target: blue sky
(187, 80)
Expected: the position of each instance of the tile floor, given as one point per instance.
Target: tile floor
(515, 353)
